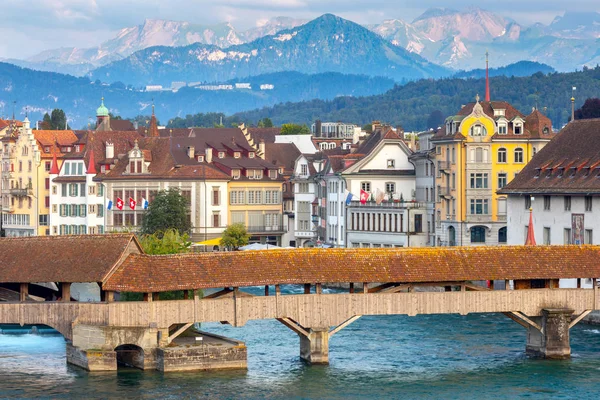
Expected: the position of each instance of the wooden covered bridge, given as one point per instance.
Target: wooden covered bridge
(379, 282)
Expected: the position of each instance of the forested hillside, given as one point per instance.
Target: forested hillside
(410, 105)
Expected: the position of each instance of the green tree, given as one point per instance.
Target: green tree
(265, 123)
(294, 129)
(46, 123)
(168, 210)
(114, 117)
(58, 120)
(235, 236)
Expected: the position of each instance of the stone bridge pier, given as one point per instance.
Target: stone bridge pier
(99, 348)
(548, 335)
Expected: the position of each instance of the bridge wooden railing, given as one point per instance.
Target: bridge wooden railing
(309, 310)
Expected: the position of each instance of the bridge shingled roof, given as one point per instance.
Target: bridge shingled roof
(144, 273)
(84, 258)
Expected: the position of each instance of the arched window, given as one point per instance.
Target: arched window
(518, 155)
(502, 235)
(501, 155)
(478, 130)
(478, 234)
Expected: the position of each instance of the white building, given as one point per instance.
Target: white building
(391, 217)
(561, 186)
(425, 180)
(305, 200)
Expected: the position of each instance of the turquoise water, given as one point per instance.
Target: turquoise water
(450, 356)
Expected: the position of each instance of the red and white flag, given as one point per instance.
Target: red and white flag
(132, 203)
(120, 203)
(364, 196)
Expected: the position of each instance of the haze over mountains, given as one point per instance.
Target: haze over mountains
(451, 38)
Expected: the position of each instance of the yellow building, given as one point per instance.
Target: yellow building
(478, 152)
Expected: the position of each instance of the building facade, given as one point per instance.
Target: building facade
(479, 151)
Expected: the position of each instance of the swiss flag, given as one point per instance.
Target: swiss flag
(364, 196)
(132, 203)
(120, 203)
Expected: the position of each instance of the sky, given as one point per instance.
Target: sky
(31, 26)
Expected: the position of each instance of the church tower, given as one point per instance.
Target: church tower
(102, 118)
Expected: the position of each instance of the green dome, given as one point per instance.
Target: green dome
(102, 111)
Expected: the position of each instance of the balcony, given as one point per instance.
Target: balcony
(445, 192)
(444, 166)
(21, 192)
(389, 204)
(266, 229)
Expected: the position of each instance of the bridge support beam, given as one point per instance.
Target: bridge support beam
(314, 348)
(552, 340)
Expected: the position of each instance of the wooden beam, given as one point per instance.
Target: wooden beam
(343, 325)
(351, 287)
(365, 287)
(293, 325)
(381, 287)
(65, 289)
(179, 332)
(277, 290)
(23, 292)
(266, 290)
(186, 294)
(218, 294)
(516, 319)
(579, 318)
(526, 319)
(319, 288)
(196, 294)
(307, 288)
(109, 296)
(156, 296)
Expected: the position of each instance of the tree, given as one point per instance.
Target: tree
(436, 119)
(46, 123)
(235, 236)
(57, 120)
(168, 210)
(114, 117)
(590, 109)
(171, 242)
(265, 123)
(294, 129)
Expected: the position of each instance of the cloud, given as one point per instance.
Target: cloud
(84, 23)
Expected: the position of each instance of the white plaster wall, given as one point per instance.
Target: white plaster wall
(389, 151)
(303, 142)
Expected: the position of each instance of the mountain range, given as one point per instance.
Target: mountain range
(326, 44)
(455, 39)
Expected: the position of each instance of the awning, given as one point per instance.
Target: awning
(209, 242)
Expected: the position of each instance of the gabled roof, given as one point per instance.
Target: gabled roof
(266, 134)
(85, 258)
(121, 125)
(55, 140)
(282, 155)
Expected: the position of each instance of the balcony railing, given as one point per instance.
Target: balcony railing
(20, 192)
(443, 165)
(389, 204)
(444, 191)
(266, 229)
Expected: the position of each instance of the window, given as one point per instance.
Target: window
(47, 183)
(478, 130)
(391, 163)
(453, 155)
(502, 237)
(501, 180)
(502, 129)
(588, 203)
(221, 154)
(92, 209)
(216, 197)
(479, 181)
(502, 155)
(304, 169)
(478, 234)
(527, 202)
(54, 209)
(418, 223)
(519, 155)
(547, 203)
(546, 235)
(518, 128)
(479, 155)
(588, 238)
(235, 173)
(92, 189)
(47, 201)
(567, 203)
(273, 173)
(302, 187)
(216, 220)
(454, 180)
(567, 236)
(82, 191)
(390, 187)
(479, 206)
(237, 197)
(29, 166)
(73, 189)
(366, 186)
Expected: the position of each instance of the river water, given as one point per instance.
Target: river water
(445, 356)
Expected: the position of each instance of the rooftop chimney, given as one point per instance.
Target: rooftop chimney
(209, 155)
(261, 148)
(190, 151)
(110, 150)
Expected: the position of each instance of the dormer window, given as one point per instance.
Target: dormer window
(502, 129)
(236, 154)
(546, 131)
(235, 173)
(251, 154)
(200, 158)
(135, 167)
(273, 174)
(77, 148)
(518, 128)
(221, 154)
(499, 113)
(46, 149)
(391, 163)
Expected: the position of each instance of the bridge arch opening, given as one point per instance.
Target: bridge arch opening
(130, 355)
(502, 236)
